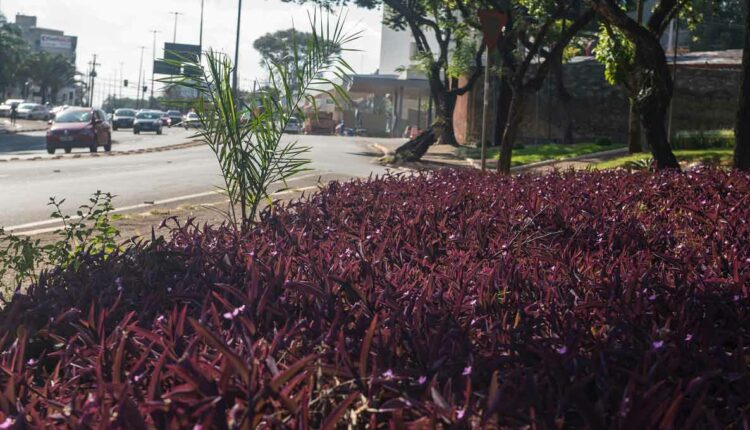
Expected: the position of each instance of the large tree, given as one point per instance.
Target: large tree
(278, 47)
(13, 49)
(653, 78)
(51, 73)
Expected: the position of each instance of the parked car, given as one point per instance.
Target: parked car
(294, 126)
(8, 105)
(192, 120)
(79, 128)
(165, 119)
(175, 116)
(147, 120)
(33, 111)
(123, 118)
(56, 110)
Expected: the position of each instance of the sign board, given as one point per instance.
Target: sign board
(182, 52)
(164, 68)
(50, 41)
(493, 23)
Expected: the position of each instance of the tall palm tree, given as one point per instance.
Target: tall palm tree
(51, 73)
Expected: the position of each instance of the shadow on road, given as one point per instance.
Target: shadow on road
(22, 142)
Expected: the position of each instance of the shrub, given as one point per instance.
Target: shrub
(451, 299)
(90, 231)
(703, 139)
(603, 141)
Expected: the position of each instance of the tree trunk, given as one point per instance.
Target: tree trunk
(414, 149)
(502, 108)
(634, 131)
(445, 108)
(515, 115)
(742, 126)
(655, 85)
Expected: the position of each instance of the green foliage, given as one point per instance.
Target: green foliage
(89, 231)
(461, 60)
(248, 147)
(603, 141)
(703, 139)
(50, 72)
(617, 53)
(13, 50)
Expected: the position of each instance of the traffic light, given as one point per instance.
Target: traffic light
(145, 88)
(125, 83)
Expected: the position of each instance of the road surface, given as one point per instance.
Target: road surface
(33, 144)
(26, 186)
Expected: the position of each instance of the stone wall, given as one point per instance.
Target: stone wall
(705, 99)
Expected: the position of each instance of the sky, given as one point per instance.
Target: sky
(115, 29)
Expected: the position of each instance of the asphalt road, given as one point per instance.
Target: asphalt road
(33, 143)
(26, 186)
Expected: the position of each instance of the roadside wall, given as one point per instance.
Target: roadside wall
(705, 99)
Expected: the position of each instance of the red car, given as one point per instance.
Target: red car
(79, 128)
(165, 119)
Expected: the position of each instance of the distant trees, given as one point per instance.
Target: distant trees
(278, 47)
(18, 63)
(51, 73)
(13, 50)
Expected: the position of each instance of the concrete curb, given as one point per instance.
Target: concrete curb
(104, 154)
(20, 131)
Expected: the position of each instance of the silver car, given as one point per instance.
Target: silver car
(33, 111)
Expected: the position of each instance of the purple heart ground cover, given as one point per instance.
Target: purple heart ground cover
(452, 299)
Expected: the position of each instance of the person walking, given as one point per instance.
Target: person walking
(13, 114)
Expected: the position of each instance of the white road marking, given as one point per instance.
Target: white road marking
(143, 205)
(52, 229)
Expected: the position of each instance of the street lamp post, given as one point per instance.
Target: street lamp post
(176, 14)
(235, 87)
(153, 61)
(140, 74)
(200, 38)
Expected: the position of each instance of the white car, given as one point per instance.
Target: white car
(33, 111)
(294, 126)
(8, 105)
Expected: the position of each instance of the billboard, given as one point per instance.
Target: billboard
(164, 68)
(51, 41)
(182, 52)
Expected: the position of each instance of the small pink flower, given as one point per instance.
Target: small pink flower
(562, 350)
(388, 374)
(8, 423)
(467, 371)
(460, 413)
(658, 344)
(689, 337)
(422, 380)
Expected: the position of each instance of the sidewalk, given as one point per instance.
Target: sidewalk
(440, 156)
(22, 126)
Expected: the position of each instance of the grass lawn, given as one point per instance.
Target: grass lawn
(536, 153)
(718, 156)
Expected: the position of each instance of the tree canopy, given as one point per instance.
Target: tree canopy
(278, 47)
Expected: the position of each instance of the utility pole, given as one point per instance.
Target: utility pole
(121, 78)
(153, 61)
(176, 14)
(235, 84)
(92, 76)
(140, 73)
(200, 38)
